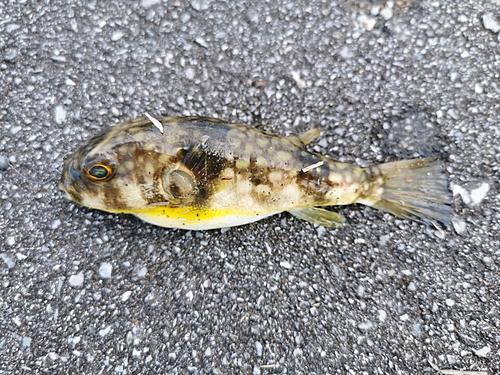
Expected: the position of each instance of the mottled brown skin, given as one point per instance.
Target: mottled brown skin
(223, 169)
(206, 147)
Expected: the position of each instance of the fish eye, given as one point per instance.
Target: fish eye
(99, 172)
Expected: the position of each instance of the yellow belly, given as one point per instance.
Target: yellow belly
(194, 219)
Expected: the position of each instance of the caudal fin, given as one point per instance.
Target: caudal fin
(416, 190)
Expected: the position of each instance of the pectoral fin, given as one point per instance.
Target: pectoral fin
(319, 216)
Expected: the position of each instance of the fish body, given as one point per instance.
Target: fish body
(201, 173)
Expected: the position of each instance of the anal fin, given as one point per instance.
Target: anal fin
(319, 216)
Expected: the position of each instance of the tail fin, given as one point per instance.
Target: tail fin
(414, 189)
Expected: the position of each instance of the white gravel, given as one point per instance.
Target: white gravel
(84, 291)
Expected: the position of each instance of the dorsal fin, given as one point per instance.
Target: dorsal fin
(305, 138)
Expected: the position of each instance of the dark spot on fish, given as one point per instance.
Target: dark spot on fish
(90, 145)
(202, 193)
(113, 196)
(76, 196)
(205, 162)
(146, 126)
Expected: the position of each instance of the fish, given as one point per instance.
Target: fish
(199, 173)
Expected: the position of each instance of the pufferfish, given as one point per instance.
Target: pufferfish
(201, 173)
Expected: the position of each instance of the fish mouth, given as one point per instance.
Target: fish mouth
(67, 186)
(60, 185)
(67, 194)
(63, 185)
(68, 177)
(65, 180)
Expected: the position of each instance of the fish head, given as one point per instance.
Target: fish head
(90, 172)
(122, 170)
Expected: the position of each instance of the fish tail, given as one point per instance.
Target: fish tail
(412, 189)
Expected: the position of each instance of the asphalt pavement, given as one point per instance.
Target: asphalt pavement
(86, 292)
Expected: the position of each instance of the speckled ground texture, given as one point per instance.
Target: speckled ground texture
(88, 292)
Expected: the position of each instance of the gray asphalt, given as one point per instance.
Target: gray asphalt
(87, 292)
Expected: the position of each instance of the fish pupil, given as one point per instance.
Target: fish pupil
(99, 172)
